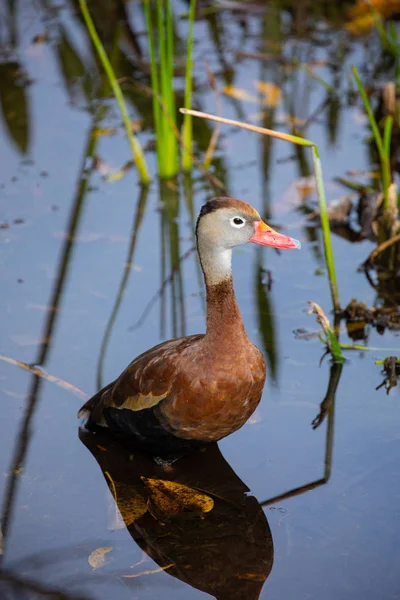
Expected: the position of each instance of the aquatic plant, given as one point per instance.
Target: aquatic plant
(326, 232)
(382, 143)
(136, 149)
(162, 81)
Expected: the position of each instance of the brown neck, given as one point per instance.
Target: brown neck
(224, 321)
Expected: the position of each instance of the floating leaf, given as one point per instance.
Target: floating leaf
(14, 104)
(239, 93)
(41, 38)
(271, 92)
(97, 558)
(169, 499)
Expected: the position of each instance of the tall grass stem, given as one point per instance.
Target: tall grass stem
(187, 128)
(326, 231)
(383, 147)
(136, 149)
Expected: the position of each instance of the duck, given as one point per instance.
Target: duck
(187, 392)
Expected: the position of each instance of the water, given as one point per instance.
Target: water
(84, 243)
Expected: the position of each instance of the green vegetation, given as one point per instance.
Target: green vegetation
(162, 81)
(137, 153)
(382, 143)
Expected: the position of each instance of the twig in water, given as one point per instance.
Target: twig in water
(381, 248)
(44, 375)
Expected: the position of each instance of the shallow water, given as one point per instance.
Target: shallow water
(84, 244)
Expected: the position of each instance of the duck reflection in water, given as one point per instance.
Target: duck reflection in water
(194, 518)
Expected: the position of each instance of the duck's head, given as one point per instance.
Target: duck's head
(224, 223)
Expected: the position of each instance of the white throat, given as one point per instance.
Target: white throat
(216, 263)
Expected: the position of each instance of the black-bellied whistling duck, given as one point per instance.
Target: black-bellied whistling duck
(192, 390)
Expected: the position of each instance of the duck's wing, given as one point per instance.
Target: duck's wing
(144, 383)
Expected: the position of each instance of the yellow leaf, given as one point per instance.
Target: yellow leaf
(170, 499)
(97, 557)
(130, 504)
(239, 93)
(360, 25)
(362, 17)
(272, 93)
(101, 131)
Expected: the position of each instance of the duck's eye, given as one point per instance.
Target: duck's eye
(237, 222)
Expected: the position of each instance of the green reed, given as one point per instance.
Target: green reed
(187, 128)
(162, 80)
(136, 149)
(382, 143)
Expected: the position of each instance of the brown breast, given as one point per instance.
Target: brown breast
(213, 394)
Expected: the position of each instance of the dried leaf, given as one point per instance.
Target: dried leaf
(97, 558)
(321, 316)
(171, 499)
(360, 25)
(362, 16)
(41, 38)
(239, 94)
(102, 131)
(271, 92)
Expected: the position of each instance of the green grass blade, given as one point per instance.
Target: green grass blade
(387, 135)
(326, 231)
(368, 110)
(137, 154)
(173, 144)
(385, 167)
(154, 79)
(187, 128)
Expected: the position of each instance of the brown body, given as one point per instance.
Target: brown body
(200, 388)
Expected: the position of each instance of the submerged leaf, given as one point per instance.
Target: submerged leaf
(97, 559)
(130, 504)
(171, 499)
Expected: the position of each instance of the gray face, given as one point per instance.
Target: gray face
(226, 228)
